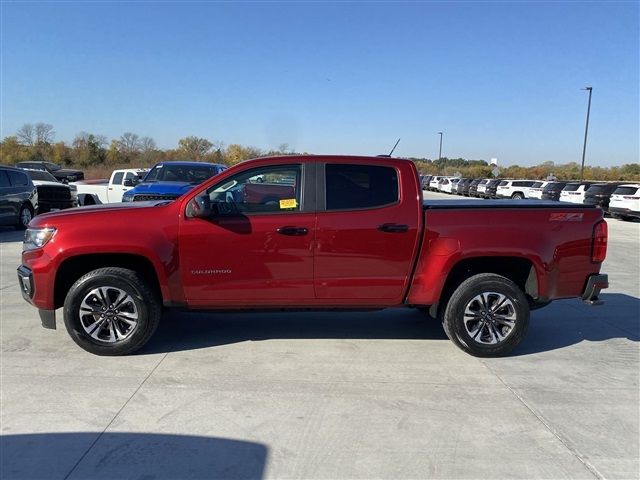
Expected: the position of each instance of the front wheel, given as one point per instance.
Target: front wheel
(111, 311)
(487, 315)
(517, 196)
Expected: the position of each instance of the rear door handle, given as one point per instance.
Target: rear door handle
(393, 228)
(292, 231)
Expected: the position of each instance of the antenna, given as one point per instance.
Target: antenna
(394, 147)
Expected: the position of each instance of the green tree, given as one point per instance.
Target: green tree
(13, 151)
(194, 148)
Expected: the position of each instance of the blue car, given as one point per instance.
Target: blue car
(169, 180)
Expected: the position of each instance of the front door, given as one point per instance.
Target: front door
(256, 249)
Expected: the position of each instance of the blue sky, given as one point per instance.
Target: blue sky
(499, 79)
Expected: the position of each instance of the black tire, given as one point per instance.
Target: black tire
(141, 301)
(487, 286)
(517, 196)
(24, 216)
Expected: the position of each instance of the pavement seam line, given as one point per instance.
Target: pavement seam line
(588, 465)
(114, 417)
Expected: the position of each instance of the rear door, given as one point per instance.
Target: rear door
(7, 214)
(369, 219)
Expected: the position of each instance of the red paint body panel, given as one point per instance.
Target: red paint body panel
(362, 265)
(344, 260)
(559, 251)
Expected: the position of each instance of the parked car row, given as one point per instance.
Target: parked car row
(621, 200)
(36, 187)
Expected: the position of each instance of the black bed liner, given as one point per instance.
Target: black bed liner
(475, 204)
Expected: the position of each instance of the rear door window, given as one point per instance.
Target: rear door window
(18, 179)
(360, 186)
(117, 178)
(4, 179)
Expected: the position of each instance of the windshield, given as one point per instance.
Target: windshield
(41, 175)
(536, 185)
(572, 187)
(180, 173)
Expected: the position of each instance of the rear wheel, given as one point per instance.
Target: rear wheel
(487, 315)
(111, 311)
(25, 216)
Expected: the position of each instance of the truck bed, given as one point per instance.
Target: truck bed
(473, 204)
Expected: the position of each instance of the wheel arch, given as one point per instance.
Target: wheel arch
(519, 270)
(75, 267)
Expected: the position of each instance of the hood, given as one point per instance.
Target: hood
(72, 213)
(49, 184)
(174, 188)
(67, 171)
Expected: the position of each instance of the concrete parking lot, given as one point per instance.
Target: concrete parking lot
(318, 395)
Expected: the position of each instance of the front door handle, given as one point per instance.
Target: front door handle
(292, 231)
(393, 228)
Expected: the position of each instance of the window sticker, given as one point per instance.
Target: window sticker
(288, 203)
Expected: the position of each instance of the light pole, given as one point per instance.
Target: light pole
(586, 130)
(440, 152)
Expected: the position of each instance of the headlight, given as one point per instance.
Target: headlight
(36, 238)
(127, 198)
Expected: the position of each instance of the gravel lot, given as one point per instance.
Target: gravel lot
(315, 395)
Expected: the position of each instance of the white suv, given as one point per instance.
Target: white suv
(433, 183)
(447, 183)
(535, 191)
(515, 189)
(625, 202)
(574, 192)
(482, 187)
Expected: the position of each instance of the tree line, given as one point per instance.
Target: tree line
(95, 153)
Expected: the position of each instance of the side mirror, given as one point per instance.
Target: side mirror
(199, 207)
(131, 182)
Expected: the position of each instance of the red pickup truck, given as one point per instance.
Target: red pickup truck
(311, 232)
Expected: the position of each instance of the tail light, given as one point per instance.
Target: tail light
(599, 242)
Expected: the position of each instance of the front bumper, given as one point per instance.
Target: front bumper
(28, 290)
(595, 283)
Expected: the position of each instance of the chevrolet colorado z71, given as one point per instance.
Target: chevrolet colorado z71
(311, 232)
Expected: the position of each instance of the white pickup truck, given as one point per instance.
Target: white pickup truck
(95, 192)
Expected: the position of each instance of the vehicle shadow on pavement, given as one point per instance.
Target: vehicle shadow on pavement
(179, 331)
(10, 234)
(129, 455)
(561, 324)
(568, 322)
